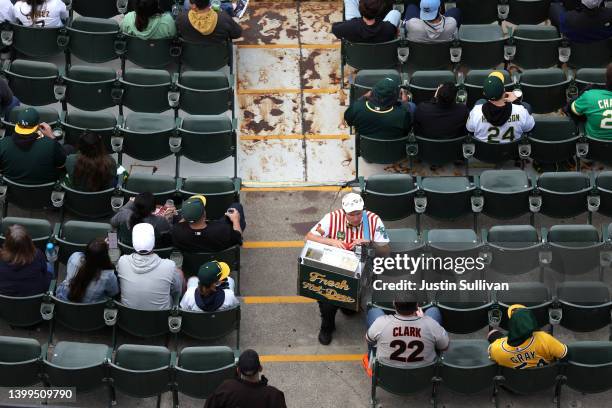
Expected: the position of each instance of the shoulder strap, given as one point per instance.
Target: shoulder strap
(366, 225)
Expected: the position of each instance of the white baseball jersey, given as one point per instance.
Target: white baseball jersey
(50, 14)
(189, 303)
(334, 225)
(402, 340)
(6, 11)
(520, 121)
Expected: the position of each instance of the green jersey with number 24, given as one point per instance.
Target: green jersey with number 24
(596, 104)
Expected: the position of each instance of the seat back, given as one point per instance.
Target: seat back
(36, 42)
(146, 90)
(496, 152)
(148, 53)
(403, 381)
(93, 39)
(590, 76)
(477, 11)
(429, 55)
(141, 371)
(205, 93)
(531, 380)
(599, 150)
(423, 84)
(209, 326)
(142, 323)
(536, 46)
(564, 194)
(89, 205)
(207, 139)
(585, 305)
(466, 367)
(21, 311)
(391, 196)
(19, 361)
(32, 81)
(382, 151)
(29, 196)
(463, 311)
(589, 369)
(514, 248)
(146, 136)
(79, 365)
(505, 192)
(553, 139)
(371, 56)
(81, 317)
(447, 197)
(220, 193)
(193, 260)
(482, 45)
(200, 370)
(205, 57)
(90, 88)
(161, 186)
(439, 152)
(544, 89)
(74, 123)
(595, 54)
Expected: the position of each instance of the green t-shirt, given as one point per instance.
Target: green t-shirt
(392, 123)
(36, 161)
(596, 104)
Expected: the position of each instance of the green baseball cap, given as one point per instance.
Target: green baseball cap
(27, 121)
(193, 208)
(384, 94)
(493, 88)
(212, 272)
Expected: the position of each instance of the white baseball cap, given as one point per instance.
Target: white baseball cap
(352, 202)
(591, 3)
(143, 238)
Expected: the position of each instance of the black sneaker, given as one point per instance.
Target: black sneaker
(325, 337)
(241, 6)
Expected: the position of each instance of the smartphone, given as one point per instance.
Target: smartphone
(112, 240)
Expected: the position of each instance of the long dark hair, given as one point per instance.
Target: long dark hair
(93, 167)
(18, 248)
(34, 7)
(145, 9)
(96, 260)
(144, 205)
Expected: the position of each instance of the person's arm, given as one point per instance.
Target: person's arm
(319, 233)
(441, 336)
(234, 217)
(529, 122)
(339, 29)
(112, 286)
(123, 215)
(556, 349)
(471, 122)
(349, 115)
(63, 12)
(234, 29)
(373, 333)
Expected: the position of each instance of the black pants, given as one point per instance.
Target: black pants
(328, 315)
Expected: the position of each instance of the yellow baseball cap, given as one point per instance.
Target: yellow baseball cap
(512, 308)
(212, 272)
(499, 75)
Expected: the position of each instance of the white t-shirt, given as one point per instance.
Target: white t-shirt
(520, 121)
(334, 225)
(407, 340)
(188, 302)
(6, 11)
(50, 14)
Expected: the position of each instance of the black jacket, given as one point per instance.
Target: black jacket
(243, 394)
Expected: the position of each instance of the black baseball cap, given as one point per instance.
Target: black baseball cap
(248, 362)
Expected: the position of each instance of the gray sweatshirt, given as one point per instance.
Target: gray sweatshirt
(421, 31)
(148, 282)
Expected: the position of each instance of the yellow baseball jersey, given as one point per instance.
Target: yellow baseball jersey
(539, 350)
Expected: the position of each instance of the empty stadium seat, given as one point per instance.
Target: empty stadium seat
(73, 236)
(514, 249)
(544, 89)
(529, 381)
(208, 326)
(426, 56)
(590, 76)
(528, 11)
(437, 152)
(92, 205)
(381, 151)
(90, 88)
(423, 84)
(537, 46)
(26, 196)
(599, 150)
(402, 380)
(37, 42)
(404, 240)
(92, 39)
(585, 305)
(220, 193)
(604, 189)
(19, 361)
(21, 311)
(505, 193)
(589, 366)
(162, 187)
(80, 317)
(445, 197)
(553, 139)
(368, 56)
(391, 196)
(33, 82)
(482, 45)
(466, 368)
(145, 323)
(575, 249)
(155, 54)
(39, 230)
(563, 195)
(463, 311)
(145, 136)
(205, 57)
(146, 90)
(200, 370)
(205, 93)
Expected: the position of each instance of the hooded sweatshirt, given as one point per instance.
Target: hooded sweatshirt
(160, 26)
(356, 30)
(421, 31)
(148, 282)
(238, 393)
(207, 26)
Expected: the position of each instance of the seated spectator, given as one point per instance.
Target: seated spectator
(407, 325)
(41, 13)
(588, 21)
(90, 276)
(595, 105)
(201, 24)
(379, 113)
(442, 117)
(236, 9)
(31, 155)
(147, 282)
(7, 13)
(92, 168)
(499, 119)
(7, 99)
(250, 389)
(147, 22)
(523, 346)
(23, 267)
(142, 209)
(196, 234)
(211, 290)
(363, 22)
(428, 25)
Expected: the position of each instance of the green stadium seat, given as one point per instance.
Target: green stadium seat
(589, 366)
(33, 82)
(446, 197)
(478, 11)
(534, 295)
(220, 193)
(574, 248)
(209, 326)
(528, 11)
(74, 123)
(564, 194)
(381, 151)
(404, 240)
(590, 76)
(505, 193)
(205, 57)
(599, 150)
(200, 370)
(90, 88)
(162, 187)
(537, 46)
(19, 361)
(26, 196)
(141, 371)
(144, 323)
(553, 139)
(205, 93)
(438, 152)
(482, 45)
(466, 367)
(79, 365)
(391, 196)
(514, 249)
(368, 56)
(528, 381)
(401, 380)
(604, 189)
(146, 90)
(93, 39)
(79, 317)
(463, 311)
(36, 42)
(427, 56)
(423, 84)
(39, 229)
(145, 136)
(155, 54)
(21, 311)
(585, 305)
(73, 236)
(92, 205)
(591, 55)
(544, 89)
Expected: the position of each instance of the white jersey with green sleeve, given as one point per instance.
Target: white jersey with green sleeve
(519, 122)
(596, 105)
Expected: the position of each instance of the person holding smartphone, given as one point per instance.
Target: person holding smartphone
(197, 234)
